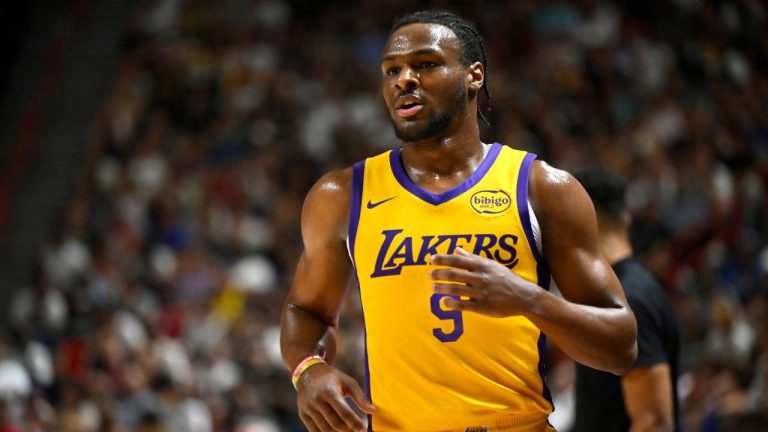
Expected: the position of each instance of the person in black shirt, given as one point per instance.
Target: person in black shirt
(645, 399)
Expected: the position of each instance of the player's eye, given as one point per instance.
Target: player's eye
(392, 71)
(427, 65)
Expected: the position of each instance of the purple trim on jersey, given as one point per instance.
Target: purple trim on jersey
(358, 171)
(396, 163)
(542, 272)
(358, 174)
(367, 387)
(542, 345)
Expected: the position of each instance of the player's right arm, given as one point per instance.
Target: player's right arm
(310, 313)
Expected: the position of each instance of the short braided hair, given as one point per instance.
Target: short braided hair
(470, 40)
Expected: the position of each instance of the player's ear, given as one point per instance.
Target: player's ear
(475, 76)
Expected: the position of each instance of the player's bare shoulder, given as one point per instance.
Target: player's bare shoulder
(327, 204)
(556, 195)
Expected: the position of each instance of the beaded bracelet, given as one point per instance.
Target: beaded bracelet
(303, 366)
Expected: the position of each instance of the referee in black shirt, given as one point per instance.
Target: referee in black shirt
(645, 399)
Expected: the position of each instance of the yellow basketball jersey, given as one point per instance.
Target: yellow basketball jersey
(430, 369)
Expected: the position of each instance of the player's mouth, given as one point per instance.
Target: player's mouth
(408, 106)
(409, 110)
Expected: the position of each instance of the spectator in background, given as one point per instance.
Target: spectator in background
(645, 399)
(256, 424)
(6, 418)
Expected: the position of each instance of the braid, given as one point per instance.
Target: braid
(470, 40)
(484, 60)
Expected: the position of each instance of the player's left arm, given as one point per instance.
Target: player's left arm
(648, 398)
(592, 322)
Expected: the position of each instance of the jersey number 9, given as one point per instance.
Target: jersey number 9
(445, 315)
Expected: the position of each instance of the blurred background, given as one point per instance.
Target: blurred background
(154, 156)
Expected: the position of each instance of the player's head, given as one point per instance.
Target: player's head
(469, 37)
(608, 193)
(434, 64)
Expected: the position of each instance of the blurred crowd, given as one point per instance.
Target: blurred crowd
(156, 298)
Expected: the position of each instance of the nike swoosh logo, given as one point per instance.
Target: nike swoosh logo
(371, 204)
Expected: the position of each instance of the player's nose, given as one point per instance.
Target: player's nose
(407, 79)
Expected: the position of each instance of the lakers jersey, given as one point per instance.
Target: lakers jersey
(428, 368)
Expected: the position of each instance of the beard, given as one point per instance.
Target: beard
(437, 123)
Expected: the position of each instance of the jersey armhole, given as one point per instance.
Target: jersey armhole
(358, 172)
(535, 228)
(529, 221)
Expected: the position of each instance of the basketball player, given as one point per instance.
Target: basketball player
(453, 242)
(645, 399)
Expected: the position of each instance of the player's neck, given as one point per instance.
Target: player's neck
(448, 153)
(440, 167)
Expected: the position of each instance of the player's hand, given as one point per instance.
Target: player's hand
(322, 390)
(481, 285)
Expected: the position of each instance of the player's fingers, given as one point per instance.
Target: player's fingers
(308, 422)
(353, 420)
(455, 275)
(467, 261)
(342, 416)
(461, 305)
(455, 290)
(353, 390)
(462, 251)
(334, 418)
(320, 421)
